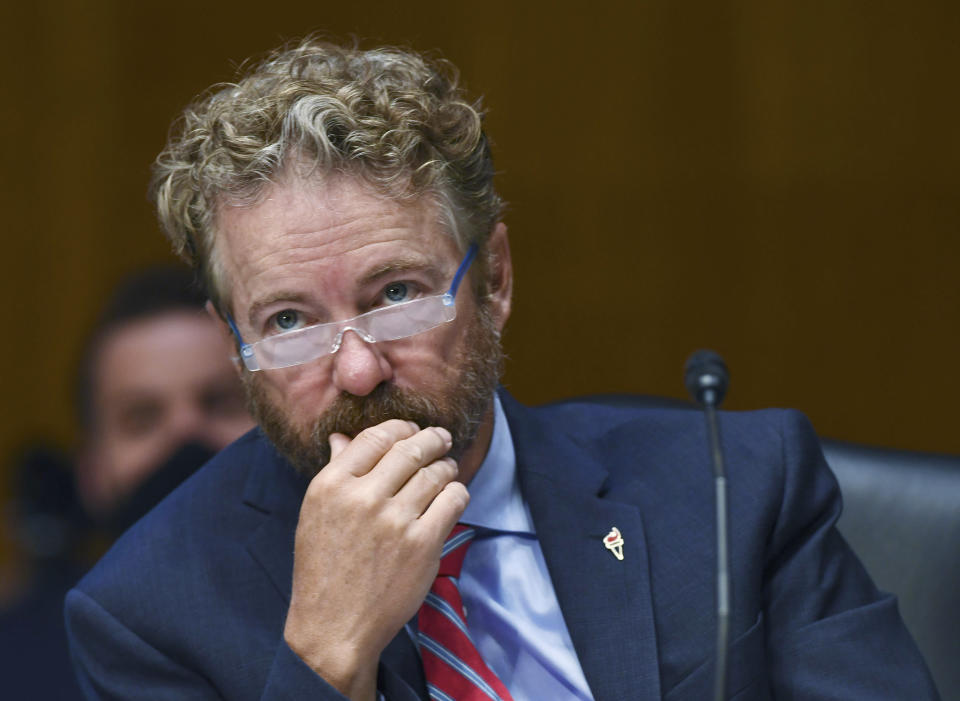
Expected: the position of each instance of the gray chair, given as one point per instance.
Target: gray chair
(901, 515)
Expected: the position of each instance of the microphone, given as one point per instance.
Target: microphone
(706, 377)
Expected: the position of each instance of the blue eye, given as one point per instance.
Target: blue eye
(286, 320)
(395, 292)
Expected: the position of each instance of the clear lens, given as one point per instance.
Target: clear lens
(384, 324)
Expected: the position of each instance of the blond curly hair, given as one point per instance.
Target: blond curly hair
(391, 118)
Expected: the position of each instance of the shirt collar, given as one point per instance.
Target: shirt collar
(495, 499)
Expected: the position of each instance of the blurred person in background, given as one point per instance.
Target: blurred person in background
(48, 532)
(157, 396)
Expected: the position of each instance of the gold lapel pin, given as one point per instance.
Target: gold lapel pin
(614, 542)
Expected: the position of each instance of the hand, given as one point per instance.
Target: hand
(372, 526)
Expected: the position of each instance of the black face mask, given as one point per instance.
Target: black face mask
(162, 480)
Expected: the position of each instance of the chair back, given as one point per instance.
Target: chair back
(901, 515)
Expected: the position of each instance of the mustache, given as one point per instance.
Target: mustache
(350, 414)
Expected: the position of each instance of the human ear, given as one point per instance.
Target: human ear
(499, 275)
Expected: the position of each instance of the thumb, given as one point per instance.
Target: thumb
(338, 442)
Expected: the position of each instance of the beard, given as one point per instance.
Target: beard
(460, 407)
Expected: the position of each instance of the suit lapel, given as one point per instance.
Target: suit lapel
(606, 602)
(401, 676)
(275, 490)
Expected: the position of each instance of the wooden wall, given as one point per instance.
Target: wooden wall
(776, 180)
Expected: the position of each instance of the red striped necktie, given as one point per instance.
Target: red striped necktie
(451, 662)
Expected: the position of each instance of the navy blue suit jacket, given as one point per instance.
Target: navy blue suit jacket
(190, 604)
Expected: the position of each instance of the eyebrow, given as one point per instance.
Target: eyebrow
(260, 304)
(401, 265)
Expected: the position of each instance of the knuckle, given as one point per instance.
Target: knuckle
(452, 468)
(322, 484)
(396, 425)
(418, 539)
(366, 501)
(391, 520)
(400, 428)
(435, 474)
(410, 450)
(377, 437)
(458, 493)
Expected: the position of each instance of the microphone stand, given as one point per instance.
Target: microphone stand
(723, 567)
(706, 378)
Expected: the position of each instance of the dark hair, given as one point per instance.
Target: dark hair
(146, 293)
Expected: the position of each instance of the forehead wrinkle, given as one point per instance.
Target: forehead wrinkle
(404, 262)
(285, 262)
(299, 247)
(297, 257)
(342, 214)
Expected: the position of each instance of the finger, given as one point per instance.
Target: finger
(338, 442)
(424, 486)
(406, 457)
(445, 510)
(370, 445)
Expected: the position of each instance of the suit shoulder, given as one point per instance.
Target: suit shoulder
(600, 415)
(597, 414)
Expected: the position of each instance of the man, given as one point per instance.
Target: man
(157, 396)
(335, 199)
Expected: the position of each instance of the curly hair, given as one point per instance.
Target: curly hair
(393, 119)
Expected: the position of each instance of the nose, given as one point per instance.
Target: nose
(359, 366)
(186, 422)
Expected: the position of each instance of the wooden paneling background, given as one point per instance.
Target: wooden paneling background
(776, 180)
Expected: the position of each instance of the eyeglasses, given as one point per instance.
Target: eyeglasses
(384, 324)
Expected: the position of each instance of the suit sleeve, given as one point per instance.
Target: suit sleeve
(112, 663)
(830, 632)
